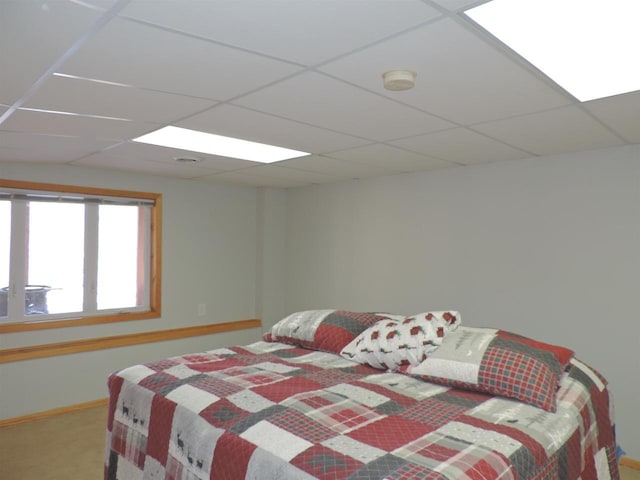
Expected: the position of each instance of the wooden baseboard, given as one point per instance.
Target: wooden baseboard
(53, 412)
(91, 344)
(630, 463)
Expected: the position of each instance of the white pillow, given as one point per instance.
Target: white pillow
(390, 344)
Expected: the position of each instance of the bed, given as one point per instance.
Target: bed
(330, 394)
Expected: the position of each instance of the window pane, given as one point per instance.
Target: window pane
(56, 258)
(118, 264)
(5, 243)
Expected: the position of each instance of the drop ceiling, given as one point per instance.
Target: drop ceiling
(79, 79)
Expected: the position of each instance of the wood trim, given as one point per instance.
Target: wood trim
(630, 463)
(52, 413)
(77, 322)
(52, 187)
(155, 300)
(91, 344)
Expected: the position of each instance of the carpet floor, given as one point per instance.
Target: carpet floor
(71, 446)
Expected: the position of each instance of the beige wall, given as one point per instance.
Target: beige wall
(548, 247)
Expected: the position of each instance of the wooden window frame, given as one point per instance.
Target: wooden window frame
(155, 277)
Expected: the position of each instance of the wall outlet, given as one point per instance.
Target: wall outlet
(202, 309)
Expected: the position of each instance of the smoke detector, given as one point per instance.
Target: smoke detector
(398, 80)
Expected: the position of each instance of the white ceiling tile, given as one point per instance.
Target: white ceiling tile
(322, 101)
(74, 125)
(621, 113)
(306, 32)
(101, 4)
(457, 5)
(555, 131)
(332, 166)
(94, 98)
(112, 162)
(30, 44)
(16, 146)
(222, 163)
(459, 77)
(148, 57)
(246, 179)
(284, 173)
(133, 152)
(390, 158)
(462, 146)
(240, 122)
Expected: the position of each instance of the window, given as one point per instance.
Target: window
(77, 256)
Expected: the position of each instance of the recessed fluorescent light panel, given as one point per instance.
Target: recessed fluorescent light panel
(588, 47)
(194, 141)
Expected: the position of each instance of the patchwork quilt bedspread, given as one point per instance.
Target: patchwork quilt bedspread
(278, 411)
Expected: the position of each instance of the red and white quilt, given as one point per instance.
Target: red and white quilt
(278, 411)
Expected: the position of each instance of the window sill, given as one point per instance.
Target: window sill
(30, 326)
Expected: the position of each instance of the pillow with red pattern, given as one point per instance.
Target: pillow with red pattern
(326, 330)
(497, 362)
(390, 344)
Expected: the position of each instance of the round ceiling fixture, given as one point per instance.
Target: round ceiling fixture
(398, 80)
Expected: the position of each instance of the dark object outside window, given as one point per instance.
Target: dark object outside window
(35, 299)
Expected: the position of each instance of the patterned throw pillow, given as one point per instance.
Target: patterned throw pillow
(390, 344)
(497, 362)
(326, 330)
